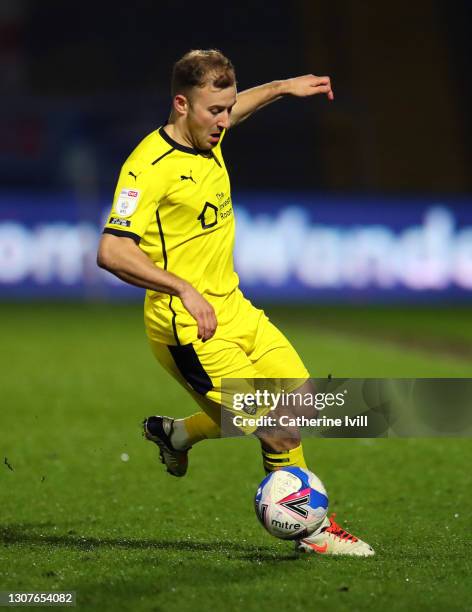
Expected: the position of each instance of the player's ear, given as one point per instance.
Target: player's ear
(181, 104)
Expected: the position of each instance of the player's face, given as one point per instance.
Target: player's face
(208, 114)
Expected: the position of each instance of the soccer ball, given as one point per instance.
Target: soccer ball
(291, 503)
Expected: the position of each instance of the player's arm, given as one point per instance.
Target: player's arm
(250, 100)
(121, 256)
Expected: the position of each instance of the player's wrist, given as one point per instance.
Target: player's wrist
(283, 87)
(182, 288)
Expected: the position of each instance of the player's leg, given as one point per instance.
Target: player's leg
(281, 446)
(275, 358)
(199, 368)
(185, 368)
(175, 437)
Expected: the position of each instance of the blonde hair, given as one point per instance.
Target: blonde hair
(200, 67)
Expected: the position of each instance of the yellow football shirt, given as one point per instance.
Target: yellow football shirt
(175, 202)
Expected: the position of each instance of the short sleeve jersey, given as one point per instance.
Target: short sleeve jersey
(175, 203)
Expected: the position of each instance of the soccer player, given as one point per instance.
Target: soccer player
(171, 231)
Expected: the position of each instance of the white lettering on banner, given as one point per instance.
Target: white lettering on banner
(65, 253)
(462, 262)
(58, 252)
(423, 253)
(272, 260)
(15, 252)
(431, 256)
(366, 262)
(270, 251)
(318, 264)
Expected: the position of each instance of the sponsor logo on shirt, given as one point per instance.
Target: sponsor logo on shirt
(120, 222)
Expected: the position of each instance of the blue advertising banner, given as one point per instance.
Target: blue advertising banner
(289, 247)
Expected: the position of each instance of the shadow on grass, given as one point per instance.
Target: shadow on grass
(26, 533)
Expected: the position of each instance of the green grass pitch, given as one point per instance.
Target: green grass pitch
(77, 381)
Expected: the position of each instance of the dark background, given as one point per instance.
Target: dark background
(83, 82)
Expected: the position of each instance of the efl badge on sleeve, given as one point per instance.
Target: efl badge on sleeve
(126, 202)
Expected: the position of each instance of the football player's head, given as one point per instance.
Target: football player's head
(204, 92)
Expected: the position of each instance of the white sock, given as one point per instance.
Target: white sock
(179, 436)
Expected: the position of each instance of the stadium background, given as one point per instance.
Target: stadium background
(354, 229)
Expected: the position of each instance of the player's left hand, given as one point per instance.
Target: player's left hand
(310, 85)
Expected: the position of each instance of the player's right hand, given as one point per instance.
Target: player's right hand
(201, 310)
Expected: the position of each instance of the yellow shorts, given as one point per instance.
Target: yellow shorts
(246, 346)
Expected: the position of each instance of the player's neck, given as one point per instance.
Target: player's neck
(178, 132)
